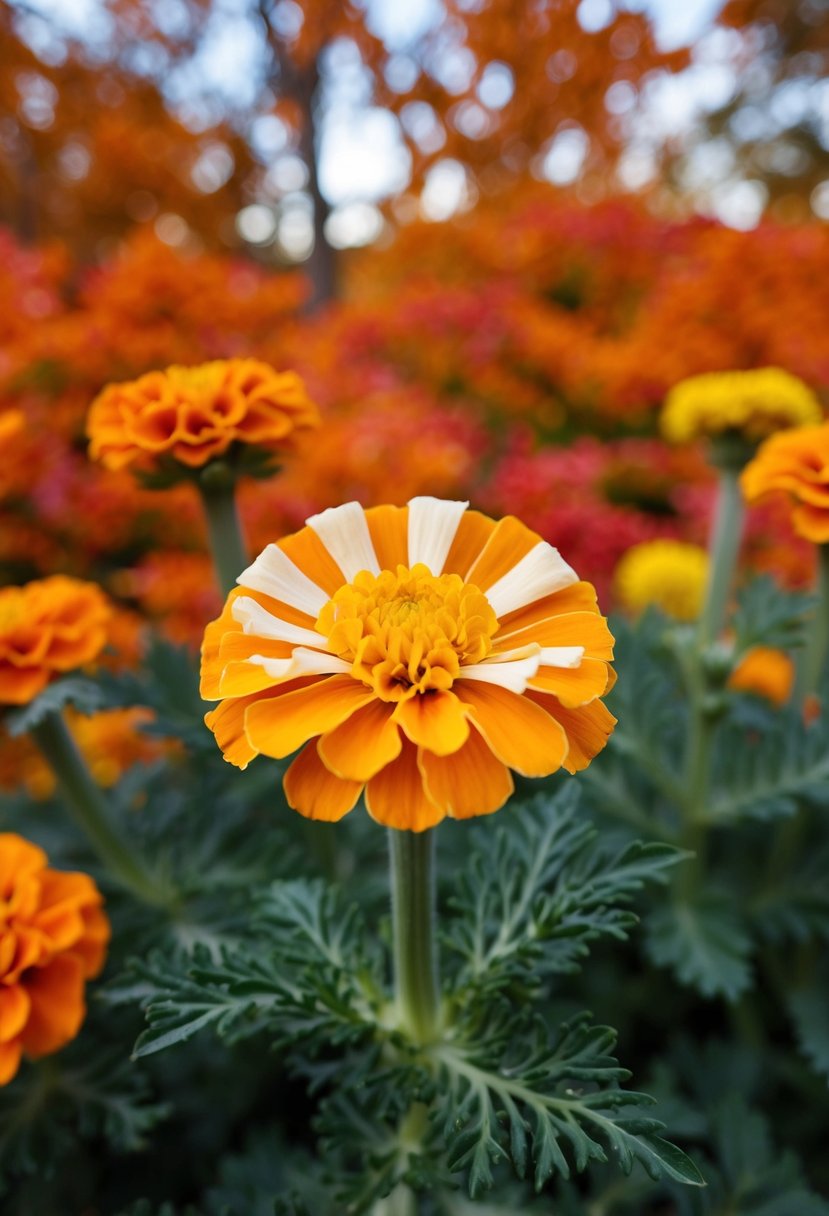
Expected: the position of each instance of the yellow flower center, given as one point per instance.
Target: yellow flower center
(410, 631)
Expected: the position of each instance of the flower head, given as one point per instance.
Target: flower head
(53, 938)
(48, 627)
(416, 652)
(752, 404)
(797, 463)
(668, 573)
(766, 672)
(194, 414)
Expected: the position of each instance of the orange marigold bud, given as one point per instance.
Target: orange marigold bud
(53, 938)
(795, 463)
(766, 672)
(194, 414)
(47, 627)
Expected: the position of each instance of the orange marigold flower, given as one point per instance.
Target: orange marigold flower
(416, 652)
(47, 627)
(195, 413)
(766, 672)
(53, 938)
(797, 463)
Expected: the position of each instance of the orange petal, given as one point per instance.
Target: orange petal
(18, 686)
(473, 532)
(573, 685)
(588, 729)
(227, 721)
(306, 550)
(471, 782)
(388, 528)
(586, 629)
(396, 796)
(10, 1054)
(315, 792)
(14, 1011)
(579, 597)
(520, 733)
(279, 724)
(434, 720)
(58, 1008)
(365, 743)
(507, 544)
(18, 858)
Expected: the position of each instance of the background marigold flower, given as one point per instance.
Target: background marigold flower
(766, 672)
(195, 413)
(753, 404)
(48, 627)
(53, 938)
(666, 573)
(797, 463)
(418, 653)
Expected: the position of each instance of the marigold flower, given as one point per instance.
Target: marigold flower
(668, 573)
(47, 627)
(796, 462)
(753, 404)
(194, 414)
(766, 672)
(53, 938)
(416, 652)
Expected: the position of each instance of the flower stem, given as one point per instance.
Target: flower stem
(415, 947)
(813, 656)
(91, 812)
(223, 527)
(723, 548)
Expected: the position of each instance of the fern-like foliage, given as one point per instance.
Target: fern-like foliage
(530, 904)
(311, 983)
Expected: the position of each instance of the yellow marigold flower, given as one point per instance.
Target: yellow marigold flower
(667, 573)
(418, 653)
(765, 671)
(47, 627)
(797, 463)
(194, 414)
(752, 404)
(53, 938)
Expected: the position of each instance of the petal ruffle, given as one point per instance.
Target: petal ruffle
(520, 733)
(471, 782)
(397, 798)
(314, 791)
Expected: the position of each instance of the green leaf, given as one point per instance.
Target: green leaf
(558, 1106)
(705, 943)
(532, 900)
(809, 1012)
(81, 693)
(768, 615)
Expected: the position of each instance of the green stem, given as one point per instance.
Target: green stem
(91, 812)
(224, 529)
(415, 947)
(813, 656)
(723, 548)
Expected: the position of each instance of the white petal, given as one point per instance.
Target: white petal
(509, 656)
(561, 656)
(257, 621)
(301, 663)
(344, 532)
(273, 573)
(513, 674)
(432, 527)
(540, 572)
